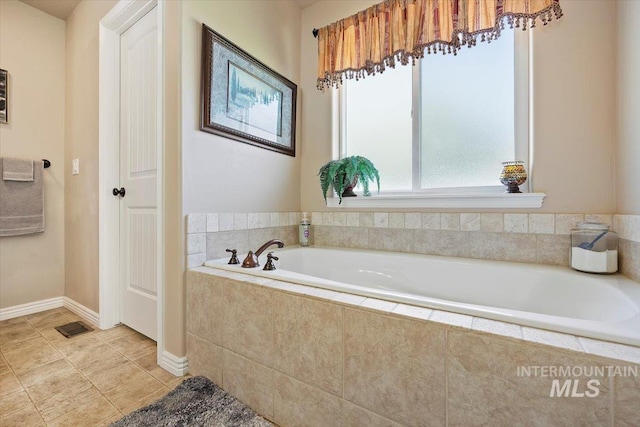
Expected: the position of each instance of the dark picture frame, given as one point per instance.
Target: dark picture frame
(245, 100)
(4, 95)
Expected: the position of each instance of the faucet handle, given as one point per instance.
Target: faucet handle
(270, 265)
(234, 258)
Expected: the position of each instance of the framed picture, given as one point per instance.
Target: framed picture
(245, 100)
(4, 82)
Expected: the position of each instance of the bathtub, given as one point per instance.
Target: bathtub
(604, 307)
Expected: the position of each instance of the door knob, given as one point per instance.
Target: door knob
(119, 192)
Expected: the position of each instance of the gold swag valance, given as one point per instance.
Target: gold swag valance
(401, 30)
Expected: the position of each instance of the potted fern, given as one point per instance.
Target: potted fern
(344, 174)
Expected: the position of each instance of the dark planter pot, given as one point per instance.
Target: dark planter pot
(348, 192)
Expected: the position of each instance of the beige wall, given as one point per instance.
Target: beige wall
(220, 174)
(32, 50)
(628, 148)
(573, 99)
(81, 127)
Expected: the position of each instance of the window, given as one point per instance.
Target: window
(445, 125)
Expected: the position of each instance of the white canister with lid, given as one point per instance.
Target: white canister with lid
(594, 248)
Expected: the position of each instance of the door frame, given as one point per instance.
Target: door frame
(123, 15)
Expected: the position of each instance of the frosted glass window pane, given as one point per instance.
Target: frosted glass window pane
(467, 127)
(378, 124)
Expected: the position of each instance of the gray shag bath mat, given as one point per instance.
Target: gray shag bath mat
(196, 402)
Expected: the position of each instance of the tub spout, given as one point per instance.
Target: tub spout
(251, 260)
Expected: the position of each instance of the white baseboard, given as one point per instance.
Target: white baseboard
(30, 308)
(178, 366)
(82, 311)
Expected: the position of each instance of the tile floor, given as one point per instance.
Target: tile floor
(92, 379)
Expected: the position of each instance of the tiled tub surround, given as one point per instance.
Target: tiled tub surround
(605, 307)
(522, 237)
(306, 356)
(209, 235)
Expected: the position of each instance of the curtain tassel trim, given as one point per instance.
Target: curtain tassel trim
(459, 38)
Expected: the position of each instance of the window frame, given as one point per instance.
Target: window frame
(480, 197)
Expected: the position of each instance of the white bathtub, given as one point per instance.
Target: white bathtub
(557, 298)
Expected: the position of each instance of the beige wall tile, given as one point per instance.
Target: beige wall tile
(366, 219)
(205, 301)
(225, 221)
(413, 220)
(213, 223)
(516, 223)
(542, 223)
(340, 219)
(196, 243)
(503, 246)
(431, 221)
(553, 249)
(381, 219)
(565, 222)
(626, 400)
(249, 382)
(629, 259)
(327, 218)
(196, 223)
(492, 222)
(345, 237)
(442, 242)
(391, 239)
(450, 221)
(316, 218)
(218, 243)
(205, 358)
(484, 388)
(353, 219)
(248, 321)
(395, 367)
(396, 220)
(316, 361)
(355, 416)
(298, 404)
(469, 221)
(602, 218)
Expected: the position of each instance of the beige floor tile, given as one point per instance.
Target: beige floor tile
(109, 421)
(54, 384)
(87, 414)
(50, 320)
(67, 401)
(14, 333)
(146, 400)
(133, 346)
(12, 321)
(101, 360)
(9, 383)
(25, 417)
(148, 363)
(114, 333)
(72, 346)
(175, 383)
(11, 402)
(116, 375)
(133, 391)
(31, 354)
(40, 373)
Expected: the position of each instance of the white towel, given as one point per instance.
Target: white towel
(22, 204)
(17, 169)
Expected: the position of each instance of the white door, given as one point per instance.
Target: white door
(138, 206)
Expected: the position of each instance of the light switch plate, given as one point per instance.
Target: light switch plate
(75, 167)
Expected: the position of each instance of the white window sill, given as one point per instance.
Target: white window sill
(443, 201)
